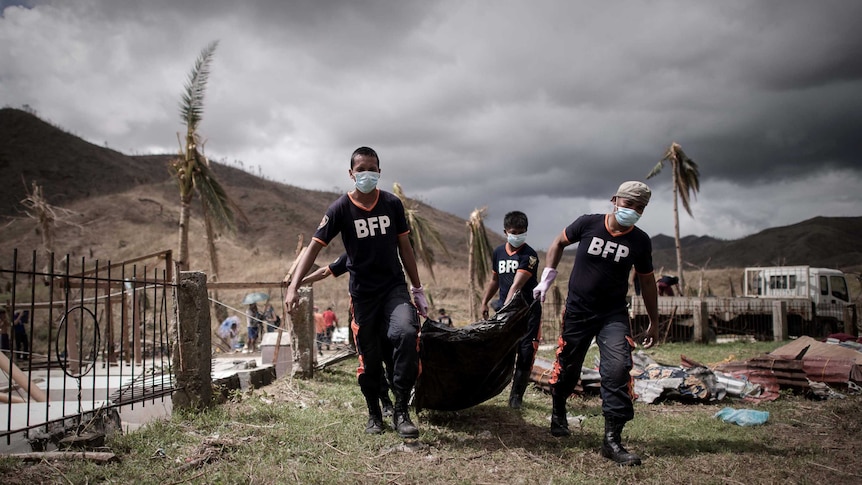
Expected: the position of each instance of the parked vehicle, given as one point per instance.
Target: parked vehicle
(820, 285)
(825, 291)
(816, 301)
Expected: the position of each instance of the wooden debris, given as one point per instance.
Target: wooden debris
(94, 456)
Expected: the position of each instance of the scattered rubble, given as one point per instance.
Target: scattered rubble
(804, 366)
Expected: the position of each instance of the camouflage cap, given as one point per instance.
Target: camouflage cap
(635, 191)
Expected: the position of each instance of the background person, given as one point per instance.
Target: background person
(273, 321)
(320, 330)
(665, 285)
(5, 327)
(444, 318)
(228, 331)
(608, 246)
(330, 320)
(19, 333)
(252, 325)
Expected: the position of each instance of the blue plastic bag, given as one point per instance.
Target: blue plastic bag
(742, 417)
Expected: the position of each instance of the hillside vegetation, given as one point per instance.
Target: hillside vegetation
(124, 206)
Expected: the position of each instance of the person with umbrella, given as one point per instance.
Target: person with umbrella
(229, 332)
(253, 317)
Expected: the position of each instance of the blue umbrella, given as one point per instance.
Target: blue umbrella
(255, 297)
(224, 328)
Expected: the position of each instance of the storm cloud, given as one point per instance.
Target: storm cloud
(539, 106)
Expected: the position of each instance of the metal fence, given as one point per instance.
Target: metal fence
(742, 318)
(86, 337)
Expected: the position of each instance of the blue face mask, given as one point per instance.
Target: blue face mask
(516, 240)
(626, 217)
(366, 181)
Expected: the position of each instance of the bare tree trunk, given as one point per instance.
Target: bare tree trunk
(219, 309)
(471, 276)
(676, 229)
(183, 260)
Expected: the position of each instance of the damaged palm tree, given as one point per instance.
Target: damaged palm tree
(479, 258)
(686, 181)
(46, 217)
(194, 175)
(422, 232)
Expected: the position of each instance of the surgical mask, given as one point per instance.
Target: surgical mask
(516, 240)
(626, 217)
(366, 181)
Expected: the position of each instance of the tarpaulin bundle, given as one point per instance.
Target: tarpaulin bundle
(466, 366)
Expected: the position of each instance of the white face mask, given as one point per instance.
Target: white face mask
(516, 240)
(366, 181)
(626, 217)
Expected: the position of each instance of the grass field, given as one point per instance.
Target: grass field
(312, 432)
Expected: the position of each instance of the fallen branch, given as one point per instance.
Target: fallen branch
(336, 449)
(834, 469)
(95, 456)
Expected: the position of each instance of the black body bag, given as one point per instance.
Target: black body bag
(466, 366)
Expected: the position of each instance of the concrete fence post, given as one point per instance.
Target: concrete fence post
(303, 334)
(193, 356)
(779, 320)
(701, 321)
(850, 320)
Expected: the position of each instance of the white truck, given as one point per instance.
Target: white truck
(823, 286)
(816, 300)
(821, 294)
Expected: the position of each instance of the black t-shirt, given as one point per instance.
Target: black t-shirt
(370, 237)
(599, 280)
(508, 264)
(339, 266)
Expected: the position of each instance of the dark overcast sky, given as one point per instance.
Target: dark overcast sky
(541, 106)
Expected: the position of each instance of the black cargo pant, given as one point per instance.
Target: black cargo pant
(527, 347)
(386, 329)
(613, 336)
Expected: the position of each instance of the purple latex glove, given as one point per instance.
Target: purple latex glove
(548, 277)
(420, 301)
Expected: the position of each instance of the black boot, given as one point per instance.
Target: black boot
(387, 404)
(375, 420)
(401, 417)
(519, 386)
(612, 447)
(375, 416)
(559, 421)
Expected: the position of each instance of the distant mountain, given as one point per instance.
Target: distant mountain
(67, 167)
(832, 242)
(128, 205)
